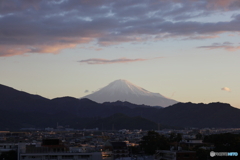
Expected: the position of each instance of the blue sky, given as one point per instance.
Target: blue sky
(187, 50)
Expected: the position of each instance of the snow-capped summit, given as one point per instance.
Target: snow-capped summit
(125, 87)
(123, 90)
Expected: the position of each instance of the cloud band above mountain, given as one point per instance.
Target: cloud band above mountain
(48, 26)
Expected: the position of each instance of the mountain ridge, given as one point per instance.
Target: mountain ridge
(28, 110)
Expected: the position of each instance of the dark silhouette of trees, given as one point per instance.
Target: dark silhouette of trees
(153, 141)
(226, 142)
(199, 136)
(175, 137)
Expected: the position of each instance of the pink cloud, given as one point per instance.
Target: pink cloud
(55, 47)
(226, 45)
(107, 61)
(226, 89)
(21, 49)
(221, 3)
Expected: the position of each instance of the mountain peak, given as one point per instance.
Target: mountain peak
(125, 87)
(123, 90)
(121, 80)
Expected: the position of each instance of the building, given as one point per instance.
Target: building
(5, 147)
(190, 143)
(61, 156)
(118, 149)
(54, 149)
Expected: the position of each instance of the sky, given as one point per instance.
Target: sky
(187, 50)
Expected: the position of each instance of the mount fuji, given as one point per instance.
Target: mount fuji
(123, 90)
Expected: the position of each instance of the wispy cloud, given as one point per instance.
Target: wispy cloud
(107, 61)
(226, 89)
(226, 45)
(200, 37)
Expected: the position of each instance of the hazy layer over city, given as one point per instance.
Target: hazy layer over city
(186, 50)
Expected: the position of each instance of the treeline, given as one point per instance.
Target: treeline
(226, 142)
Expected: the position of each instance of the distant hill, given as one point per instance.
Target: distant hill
(11, 99)
(199, 115)
(19, 109)
(127, 104)
(120, 121)
(10, 120)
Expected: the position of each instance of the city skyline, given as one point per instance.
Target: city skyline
(186, 50)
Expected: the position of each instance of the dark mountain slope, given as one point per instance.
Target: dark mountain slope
(14, 100)
(199, 115)
(127, 104)
(121, 121)
(23, 109)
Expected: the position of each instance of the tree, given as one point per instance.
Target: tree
(226, 142)
(153, 141)
(198, 136)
